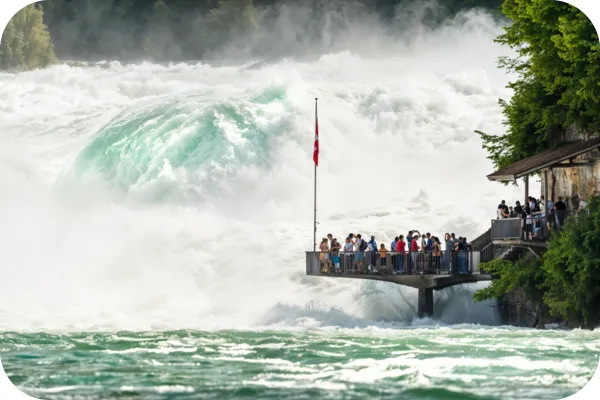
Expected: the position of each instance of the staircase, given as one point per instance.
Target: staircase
(512, 254)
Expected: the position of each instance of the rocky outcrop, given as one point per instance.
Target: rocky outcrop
(583, 180)
(518, 308)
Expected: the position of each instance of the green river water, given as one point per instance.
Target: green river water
(420, 363)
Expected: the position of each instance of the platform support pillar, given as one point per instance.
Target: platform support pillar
(425, 308)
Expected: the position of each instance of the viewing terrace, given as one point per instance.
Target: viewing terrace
(420, 270)
(507, 238)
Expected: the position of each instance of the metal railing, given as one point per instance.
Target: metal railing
(374, 262)
(537, 226)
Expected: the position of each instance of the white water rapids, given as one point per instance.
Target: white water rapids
(197, 214)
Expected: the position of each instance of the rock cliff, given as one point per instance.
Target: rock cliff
(576, 183)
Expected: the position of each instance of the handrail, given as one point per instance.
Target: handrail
(371, 262)
(536, 226)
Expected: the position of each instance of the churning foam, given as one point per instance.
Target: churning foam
(180, 196)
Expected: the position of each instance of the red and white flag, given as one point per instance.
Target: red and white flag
(316, 151)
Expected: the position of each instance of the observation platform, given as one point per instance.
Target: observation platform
(506, 239)
(422, 271)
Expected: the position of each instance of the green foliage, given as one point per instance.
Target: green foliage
(572, 268)
(566, 279)
(510, 276)
(26, 42)
(175, 30)
(557, 63)
(157, 42)
(232, 18)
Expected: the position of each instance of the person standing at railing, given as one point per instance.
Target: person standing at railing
(533, 206)
(448, 253)
(383, 256)
(437, 253)
(560, 209)
(528, 222)
(401, 252)
(412, 235)
(414, 252)
(461, 250)
(325, 261)
(428, 249)
(502, 210)
(359, 259)
(518, 209)
(348, 255)
(393, 256)
(335, 254)
(520, 213)
(372, 245)
(550, 206)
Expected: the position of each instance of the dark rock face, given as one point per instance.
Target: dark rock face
(519, 309)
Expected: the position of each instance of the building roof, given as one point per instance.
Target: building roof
(544, 159)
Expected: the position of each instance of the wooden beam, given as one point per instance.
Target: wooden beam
(572, 165)
(551, 163)
(502, 178)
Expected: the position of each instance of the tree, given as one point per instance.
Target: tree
(26, 42)
(510, 276)
(572, 269)
(557, 62)
(232, 18)
(159, 42)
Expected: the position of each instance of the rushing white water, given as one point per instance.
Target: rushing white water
(147, 196)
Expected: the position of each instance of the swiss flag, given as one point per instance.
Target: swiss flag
(316, 151)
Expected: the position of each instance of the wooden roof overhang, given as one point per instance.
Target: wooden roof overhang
(546, 159)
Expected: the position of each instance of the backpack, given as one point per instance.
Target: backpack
(363, 245)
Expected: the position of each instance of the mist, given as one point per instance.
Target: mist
(141, 196)
(266, 32)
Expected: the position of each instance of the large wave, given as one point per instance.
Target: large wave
(180, 196)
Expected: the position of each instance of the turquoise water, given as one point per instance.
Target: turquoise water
(194, 140)
(420, 363)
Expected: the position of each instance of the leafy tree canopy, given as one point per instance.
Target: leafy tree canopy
(558, 85)
(572, 269)
(511, 276)
(179, 30)
(26, 42)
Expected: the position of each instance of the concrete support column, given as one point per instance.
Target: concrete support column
(425, 308)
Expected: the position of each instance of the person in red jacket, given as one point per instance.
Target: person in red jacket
(414, 251)
(401, 250)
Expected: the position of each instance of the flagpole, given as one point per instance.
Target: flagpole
(316, 162)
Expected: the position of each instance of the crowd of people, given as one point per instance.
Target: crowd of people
(413, 253)
(422, 253)
(536, 214)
